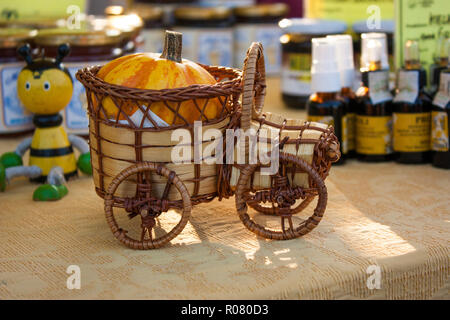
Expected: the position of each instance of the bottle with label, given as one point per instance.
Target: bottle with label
(344, 52)
(296, 56)
(259, 22)
(440, 122)
(440, 63)
(374, 113)
(325, 105)
(411, 110)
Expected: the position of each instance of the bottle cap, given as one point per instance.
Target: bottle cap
(344, 53)
(325, 76)
(374, 50)
(442, 48)
(411, 50)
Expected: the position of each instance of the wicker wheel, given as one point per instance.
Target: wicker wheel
(282, 198)
(271, 211)
(146, 206)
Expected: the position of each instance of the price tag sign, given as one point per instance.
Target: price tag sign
(28, 9)
(422, 20)
(349, 11)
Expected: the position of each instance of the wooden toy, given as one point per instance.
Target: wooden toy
(133, 169)
(45, 88)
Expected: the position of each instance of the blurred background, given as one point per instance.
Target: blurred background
(215, 32)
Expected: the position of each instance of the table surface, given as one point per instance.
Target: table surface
(385, 222)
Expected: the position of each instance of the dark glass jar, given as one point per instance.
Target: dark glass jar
(259, 23)
(207, 34)
(296, 56)
(440, 123)
(88, 47)
(130, 26)
(329, 108)
(411, 118)
(374, 118)
(14, 118)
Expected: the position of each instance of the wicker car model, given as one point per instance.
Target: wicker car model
(133, 170)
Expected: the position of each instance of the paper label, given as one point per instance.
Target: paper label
(408, 86)
(329, 120)
(268, 34)
(344, 130)
(75, 114)
(153, 40)
(424, 21)
(296, 74)
(412, 131)
(374, 135)
(379, 86)
(32, 9)
(13, 117)
(208, 46)
(348, 11)
(351, 130)
(442, 97)
(439, 131)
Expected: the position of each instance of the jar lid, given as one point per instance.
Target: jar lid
(12, 37)
(147, 12)
(262, 10)
(78, 37)
(127, 24)
(386, 26)
(312, 26)
(33, 23)
(114, 10)
(202, 13)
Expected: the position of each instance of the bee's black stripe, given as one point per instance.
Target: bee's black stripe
(51, 152)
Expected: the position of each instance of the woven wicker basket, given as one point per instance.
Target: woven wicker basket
(115, 145)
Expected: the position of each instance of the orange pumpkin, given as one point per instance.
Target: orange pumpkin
(156, 71)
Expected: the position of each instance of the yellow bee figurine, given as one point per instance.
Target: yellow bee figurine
(45, 88)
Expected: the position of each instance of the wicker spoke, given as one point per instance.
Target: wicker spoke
(282, 200)
(144, 205)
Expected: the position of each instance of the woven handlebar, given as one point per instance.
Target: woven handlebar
(254, 85)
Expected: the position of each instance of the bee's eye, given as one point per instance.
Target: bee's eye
(27, 85)
(46, 86)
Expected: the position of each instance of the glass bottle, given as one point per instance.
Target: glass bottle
(344, 53)
(440, 122)
(325, 105)
(374, 113)
(411, 110)
(440, 63)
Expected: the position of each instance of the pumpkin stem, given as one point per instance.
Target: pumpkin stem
(172, 46)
